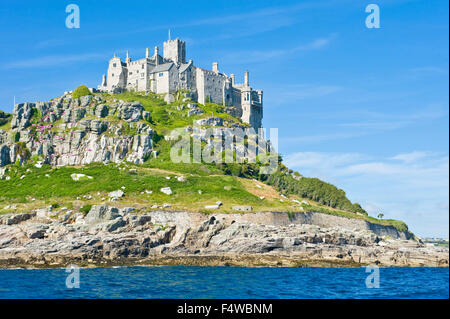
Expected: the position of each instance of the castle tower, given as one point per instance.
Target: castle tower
(175, 50)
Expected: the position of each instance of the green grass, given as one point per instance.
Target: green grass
(109, 178)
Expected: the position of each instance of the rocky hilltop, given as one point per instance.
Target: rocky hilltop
(108, 236)
(75, 131)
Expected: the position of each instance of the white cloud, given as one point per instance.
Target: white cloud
(411, 157)
(412, 186)
(254, 56)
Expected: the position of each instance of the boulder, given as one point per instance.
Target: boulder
(101, 214)
(166, 190)
(131, 112)
(116, 194)
(169, 98)
(78, 177)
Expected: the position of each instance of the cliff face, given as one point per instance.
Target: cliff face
(111, 236)
(78, 131)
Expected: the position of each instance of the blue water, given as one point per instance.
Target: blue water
(225, 282)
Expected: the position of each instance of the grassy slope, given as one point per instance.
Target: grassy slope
(208, 178)
(60, 188)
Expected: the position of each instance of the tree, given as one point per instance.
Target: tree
(380, 215)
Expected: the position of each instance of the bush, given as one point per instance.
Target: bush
(314, 189)
(85, 209)
(23, 151)
(4, 118)
(80, 91)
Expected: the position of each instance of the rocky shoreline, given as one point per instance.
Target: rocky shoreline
(108, 236)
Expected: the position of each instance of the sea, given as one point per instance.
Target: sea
(192, 282)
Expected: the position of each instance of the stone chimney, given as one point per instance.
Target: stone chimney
(147, 53)
(156, 55)
(232, 79)
(246, 78)
(128, 59)
(215, 67)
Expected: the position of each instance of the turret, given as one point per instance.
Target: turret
(232, 79)
(128, 59)
(147, 53)
(246, 78)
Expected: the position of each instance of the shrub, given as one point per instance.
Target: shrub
(85, 209)
(4, 118)
(80, 91)
(314, 189)
(23, 151)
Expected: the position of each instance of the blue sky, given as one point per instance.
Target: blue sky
(364, 109)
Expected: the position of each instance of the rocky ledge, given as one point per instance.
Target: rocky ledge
(108, 236)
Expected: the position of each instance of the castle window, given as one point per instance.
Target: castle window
(114, 65)
(142, 66)
(112, 75)
(161, 74)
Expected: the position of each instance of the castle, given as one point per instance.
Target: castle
(169, 73)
